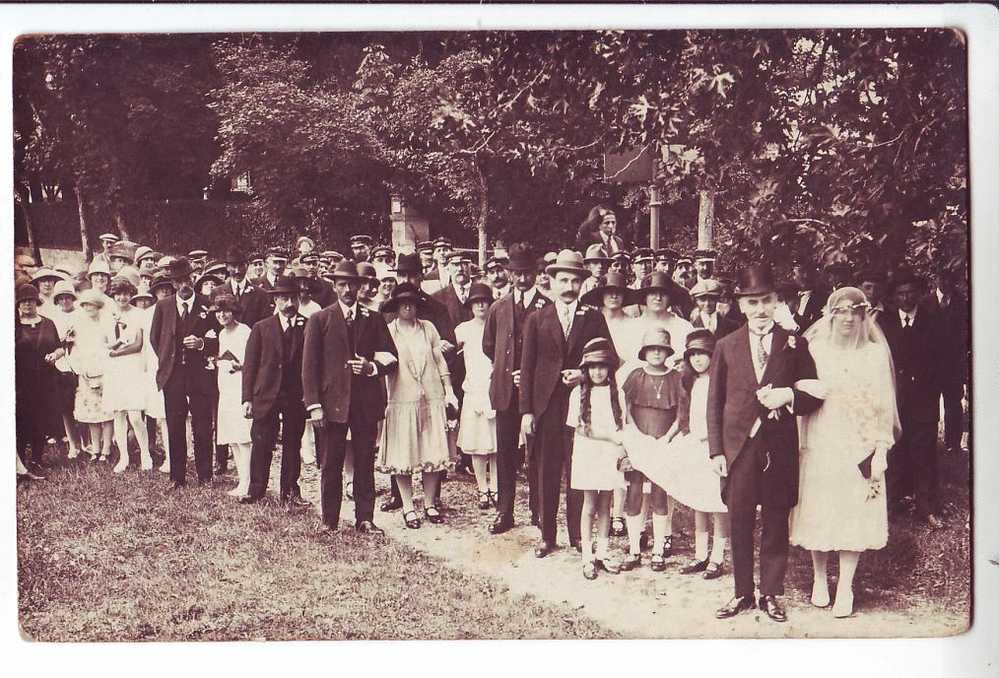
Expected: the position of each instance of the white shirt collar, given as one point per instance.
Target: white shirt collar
(526, 298)
(561, 306)
(344, 308)
(189, 303)
(902, 315)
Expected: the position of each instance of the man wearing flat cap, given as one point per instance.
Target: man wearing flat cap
(706, 294)
(360, 247)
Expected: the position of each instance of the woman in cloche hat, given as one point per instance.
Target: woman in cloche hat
(89, 357)
(36, 348)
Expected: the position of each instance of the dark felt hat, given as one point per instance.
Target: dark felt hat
(27, 292)
(658, 280)
(285, 285)
(612, 282)
(408, 264)
(179, 268)
(701, 340)
(479, 292)
(521, 258)
(346, 270)
(753, 280)
(905, 276)
(160, 281)
(404, 292)
(224, 300)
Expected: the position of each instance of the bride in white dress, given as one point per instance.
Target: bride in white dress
(844, 445)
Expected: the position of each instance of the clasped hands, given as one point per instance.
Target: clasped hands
(774, 398)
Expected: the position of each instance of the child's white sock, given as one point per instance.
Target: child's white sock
(658, 532)
(635, 524)
(701, 545)
(603, 548)
(718, 549)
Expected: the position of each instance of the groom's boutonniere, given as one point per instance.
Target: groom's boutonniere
(792, 342)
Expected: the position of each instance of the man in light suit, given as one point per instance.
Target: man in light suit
(753, 438)
(502, 342)
(272, 394)
(554, 337)
(184, 336)
(347, 353)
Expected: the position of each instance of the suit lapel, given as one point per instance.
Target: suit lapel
(550, 322)
(744, 355)
(776, 351)
(338, 318)
(576, 329)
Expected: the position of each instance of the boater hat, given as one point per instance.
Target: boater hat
(568, 261)
(655, 337)
(701, 340)
(612, 282)
(404, 292)
(598, 351)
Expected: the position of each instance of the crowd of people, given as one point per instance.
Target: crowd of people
(637, 378)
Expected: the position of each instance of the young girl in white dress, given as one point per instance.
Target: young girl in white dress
(596, 414)
(124, 377)
(477, 426)
(233, 427)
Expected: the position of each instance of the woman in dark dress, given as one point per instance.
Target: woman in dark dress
(36, 348)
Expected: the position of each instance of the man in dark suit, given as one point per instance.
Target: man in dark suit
(258, 304)
(502, 342)
(347, 353)
(184, 336)
(753, 437)
(322, 293)
(807, 308)
(918, 347)
(951, 307)
(272, 394)
(706, 294)
(554, 337)
(455, 293)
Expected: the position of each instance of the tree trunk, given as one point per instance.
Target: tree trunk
(483, 213)
(81, 206)
(706, 220)
(119, 222)
(23, 200)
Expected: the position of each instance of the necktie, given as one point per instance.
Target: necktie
(350, 316)
(761, 354)
(566, 321)
(183, 310)
(908, 321)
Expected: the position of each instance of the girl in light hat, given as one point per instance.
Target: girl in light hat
(596, 414)
(124, 382)
(88, 358)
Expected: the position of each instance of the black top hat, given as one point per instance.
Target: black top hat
(408, 264)
(753, 280)
(701, 340)
(404, 292)
(479, 292)
(521, 259)
(658, 281)
(611, 282)
(285, 285)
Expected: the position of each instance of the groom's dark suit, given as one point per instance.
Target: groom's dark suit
(763, 467)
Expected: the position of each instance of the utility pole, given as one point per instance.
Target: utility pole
(654, 203)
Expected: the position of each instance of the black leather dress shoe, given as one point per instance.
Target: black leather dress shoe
(368, 527)
(391, 504)
(248, 500)
(501, 524)
(543, 548)
(735, 606)
(773, 608)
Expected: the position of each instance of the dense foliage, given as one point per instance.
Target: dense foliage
(813, 143)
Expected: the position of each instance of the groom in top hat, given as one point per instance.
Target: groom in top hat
(554, 337)
(753, 437)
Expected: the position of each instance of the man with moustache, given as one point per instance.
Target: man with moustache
(184, 336)
(554, 337)
(502, 342)
(272, 395)
(753, 438)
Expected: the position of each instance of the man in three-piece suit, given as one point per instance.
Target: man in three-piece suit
(502, 342)
(918, 349)
(184, 336)
(554, 337)
(272, 394)
(753, 437)
(347, 352)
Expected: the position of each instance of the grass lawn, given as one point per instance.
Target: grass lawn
(104, 557)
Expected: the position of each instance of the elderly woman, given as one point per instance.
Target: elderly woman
(414, 437)
(36, 348)
(63, 316)
(88, 357)
(844, 445)
(124, 382)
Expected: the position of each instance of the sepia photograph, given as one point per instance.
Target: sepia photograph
(492, 334)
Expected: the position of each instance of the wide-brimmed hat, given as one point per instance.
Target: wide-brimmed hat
(178, 268)
(707, 287)
(598, 351)
(754, 280)
(234, 255)
(658, 280)
(404, 292)
(568, 261)
(91, 296)
(224, 300)
(285, 285)
(656, 336)
(612, 282)
(46, 274)
(64, 287)
(596, 253)
(346, 270)
(160, 281)
(300, 274)
(521, 258)
(701, 340)
(479, 292)
(205, 277)
(27, 292)
(408, 264)
(127, 279)
(99, 265)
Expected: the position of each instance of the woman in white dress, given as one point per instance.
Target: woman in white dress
(62, 314)
(88, 357)
(232, 427)
(477, 426)
(844, 445)
(124, 378)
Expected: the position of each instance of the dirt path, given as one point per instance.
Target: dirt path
(637, 604)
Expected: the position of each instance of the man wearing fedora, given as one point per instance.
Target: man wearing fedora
(503, 342)
(347, 352)
(272, 394)
(184, 336)
(753, 437)
(554, 337)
